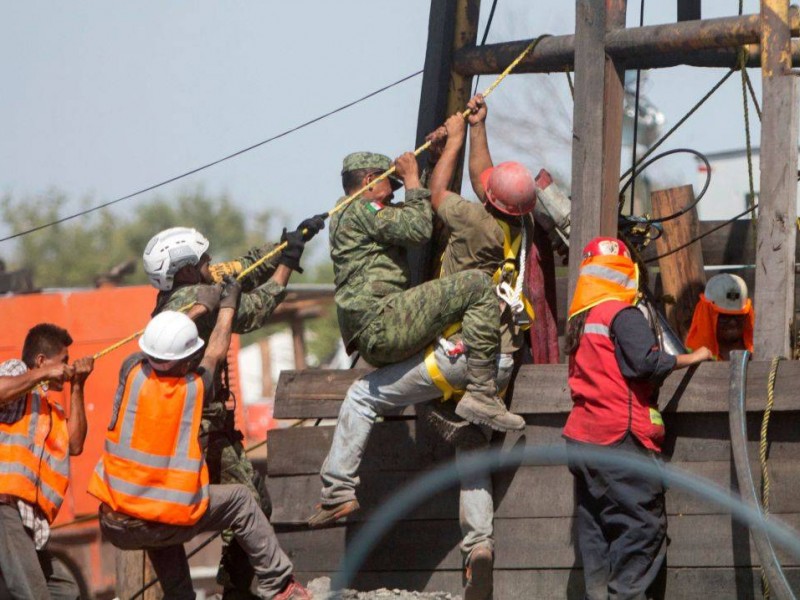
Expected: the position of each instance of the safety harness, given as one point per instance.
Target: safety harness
(508, 280)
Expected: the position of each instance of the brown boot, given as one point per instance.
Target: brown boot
(481, 404)
(328, 515)
(479, 575)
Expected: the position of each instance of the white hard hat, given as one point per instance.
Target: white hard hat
(170, 250)
(170, 335)
(727, 291)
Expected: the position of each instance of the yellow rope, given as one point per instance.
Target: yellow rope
(762, 453)
(391, 170)
(344, 203)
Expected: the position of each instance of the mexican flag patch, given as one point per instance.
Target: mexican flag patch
(375, 206)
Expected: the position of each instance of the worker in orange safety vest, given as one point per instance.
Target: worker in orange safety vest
(152, 479)
(37, 437)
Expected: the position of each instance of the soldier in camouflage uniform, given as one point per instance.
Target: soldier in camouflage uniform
(389, 323)
(177, 263)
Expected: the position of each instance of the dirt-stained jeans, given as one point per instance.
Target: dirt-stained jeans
(382, 392)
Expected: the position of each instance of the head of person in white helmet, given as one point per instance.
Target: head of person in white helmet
(177, 255)
(723, 318)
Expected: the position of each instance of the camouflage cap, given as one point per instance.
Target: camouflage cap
(370, 160)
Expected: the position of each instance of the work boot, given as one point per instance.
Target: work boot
(329, 514)
(479, 574)
(442, 418)
(481, 404)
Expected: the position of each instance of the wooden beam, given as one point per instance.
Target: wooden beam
(133, 572)
(452, 24)
(689, 10)
(689, 42)
(299, 344)
(542, 390)
(682, 274)
(596, 127)
(777, 231)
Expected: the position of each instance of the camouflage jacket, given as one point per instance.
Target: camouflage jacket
(368, 243)
(259, 299)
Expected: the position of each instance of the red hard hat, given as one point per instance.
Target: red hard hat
(606, 246)
(510, 188)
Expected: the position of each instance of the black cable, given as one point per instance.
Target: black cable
(702, 235)
(483, 39)
(657, 157)
(636, 119)
(682, 120)
(213, 163)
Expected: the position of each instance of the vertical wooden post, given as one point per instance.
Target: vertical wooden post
(682, 274)
(777, 233)
(298, 342)
(596, 129)
(131, 566)
(452, 25)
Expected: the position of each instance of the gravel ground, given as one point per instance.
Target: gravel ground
(321, 589)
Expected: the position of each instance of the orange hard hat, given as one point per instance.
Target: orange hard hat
(605, 246)
(510, 188)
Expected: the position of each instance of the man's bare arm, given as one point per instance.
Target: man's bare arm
(479, 157)
(443, 171)
(14, 386)
(76, 424)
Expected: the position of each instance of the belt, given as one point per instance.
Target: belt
(108, 513)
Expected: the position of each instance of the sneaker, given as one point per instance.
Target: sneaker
(294, 591)
(328, 515)
(479, 574)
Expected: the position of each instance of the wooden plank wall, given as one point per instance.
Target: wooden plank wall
(709, 554)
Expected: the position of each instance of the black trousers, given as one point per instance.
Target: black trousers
(621, 526)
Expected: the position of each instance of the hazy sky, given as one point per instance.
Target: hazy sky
(103, 98)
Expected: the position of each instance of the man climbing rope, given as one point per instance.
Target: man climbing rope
(615, 370)
(177, 262)
(152, 480)
(723, 318)
(431, 374)
(383, 319)
(36, 440)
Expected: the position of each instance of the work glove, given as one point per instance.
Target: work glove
(231, 292)
(312, 226)
(295, 244)
(209, 296)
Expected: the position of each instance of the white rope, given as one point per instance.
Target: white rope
(513, 296)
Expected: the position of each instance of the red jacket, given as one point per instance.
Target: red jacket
(606, 405)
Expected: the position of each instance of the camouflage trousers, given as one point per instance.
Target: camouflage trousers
(413, 319)
(228, 463)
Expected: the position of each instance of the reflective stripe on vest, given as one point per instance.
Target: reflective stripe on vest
(606, 404)
(133, 477)
(34, 455)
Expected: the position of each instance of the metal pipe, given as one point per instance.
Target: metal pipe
(744, 476)
(710, 43)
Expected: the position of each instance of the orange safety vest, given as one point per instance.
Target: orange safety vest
(152, 467)
(34, 454)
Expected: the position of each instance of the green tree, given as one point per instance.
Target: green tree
(75, 252)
